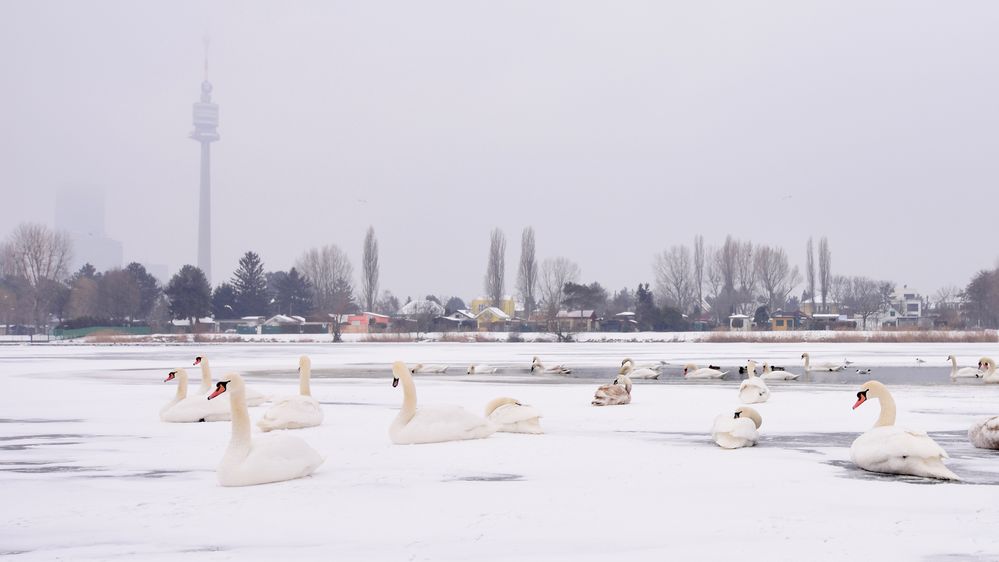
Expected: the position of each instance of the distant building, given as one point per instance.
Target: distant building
(491, 319)
(80, 212)
(811, 307)
(507, 305)
(740, 323)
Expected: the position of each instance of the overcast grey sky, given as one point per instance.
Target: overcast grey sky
(616, 129)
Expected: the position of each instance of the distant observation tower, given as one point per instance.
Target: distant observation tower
(206, 122)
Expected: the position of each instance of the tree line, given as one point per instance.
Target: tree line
(689, 281)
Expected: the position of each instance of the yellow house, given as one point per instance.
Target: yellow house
(491, 319)
(507, 305)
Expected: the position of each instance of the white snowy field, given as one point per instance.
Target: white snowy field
(89, 472)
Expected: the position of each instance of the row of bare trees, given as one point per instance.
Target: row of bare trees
(735, 277)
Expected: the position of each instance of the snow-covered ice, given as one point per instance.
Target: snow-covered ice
(89, 472)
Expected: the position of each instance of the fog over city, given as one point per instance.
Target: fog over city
(615, 129)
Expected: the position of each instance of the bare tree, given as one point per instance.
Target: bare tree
(675, 278)
(527, 273)
(839, 288)
(825, 271)
(369, 279)
(41, 256)
(810, 272)
(699, 269)
(776, 277)
(746, 273)
(496, 267)
(555, 273)
(726, 258)
(329, 271)
(864, 298)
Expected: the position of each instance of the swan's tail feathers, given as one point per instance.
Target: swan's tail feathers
(938, 470)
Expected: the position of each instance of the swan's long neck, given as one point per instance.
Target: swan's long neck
(953, 361)
(806, 362)
(303, 381)
(751, 369)
(206, 376)
(408, 397)
(181, 385)
(240, 419)
(887, 416)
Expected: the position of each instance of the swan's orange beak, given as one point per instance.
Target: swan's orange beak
(170, 376)
(861, 398)
(395, 382)
(219, 389)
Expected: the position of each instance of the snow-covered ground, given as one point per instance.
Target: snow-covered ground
(89, 472)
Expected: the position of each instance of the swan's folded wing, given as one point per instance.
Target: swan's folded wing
(443, 421)
(744, 428)
(895, 442)
(294, 408)
(512, 413)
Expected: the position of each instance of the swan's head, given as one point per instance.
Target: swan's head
(804, 356)
(470, 370)
(950, 358)
(304, 363)
(689, 367)
(399, 370)
(199, 359)
(751, 366)
(870, 389)
(626, 360)
(986, 363)
(625, 369)
(496, 403)
(747, 412)
(170, 376)
(231, 382)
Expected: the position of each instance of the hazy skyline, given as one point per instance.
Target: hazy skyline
(614, 129)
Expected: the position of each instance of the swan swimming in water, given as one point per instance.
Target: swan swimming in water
(770, 374)
(431, 425)
(481, 370)
(269, 458)
(963, 372)
(538, 368)
(891, 449)
(642, 373)
(828, 367)
(691, 371)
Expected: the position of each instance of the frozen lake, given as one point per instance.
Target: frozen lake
(89, 472)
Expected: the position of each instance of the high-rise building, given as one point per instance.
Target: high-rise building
(206, 122)
(80, 212)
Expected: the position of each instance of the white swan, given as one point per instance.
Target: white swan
(739, 430)
(185, 409)
(653, 365)
(691, 371)
(988, 368)
(431, 425)
(771, 375)
(513, 417)
(642, 373)
(253, 398)
(420, 368)
(538, 368)
(753, 390)
(984, 433)
(894, 450)
(829, 367)
(295, 412)
(963, 372)
(270, 458)
(481, 370)
(614, 394)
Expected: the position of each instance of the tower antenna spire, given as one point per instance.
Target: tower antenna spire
(207, 41)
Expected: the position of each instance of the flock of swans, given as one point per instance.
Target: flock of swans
(250, 460)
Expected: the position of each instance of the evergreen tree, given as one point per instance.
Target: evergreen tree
(292, 293)
(250, 286)
(646, 313)
(189, 293)
(224, 302)
(149, 288)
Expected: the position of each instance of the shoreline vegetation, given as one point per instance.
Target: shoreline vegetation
(829, 336)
